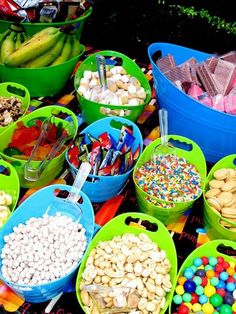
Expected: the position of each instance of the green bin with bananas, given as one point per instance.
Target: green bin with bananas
(42, 63)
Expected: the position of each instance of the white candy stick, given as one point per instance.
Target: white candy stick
(52, 303)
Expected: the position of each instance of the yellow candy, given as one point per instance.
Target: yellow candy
(196, 307)
(209, 290)
(234, 307)
(232, 264)
(207, 308)
(189, 305)
(180, 290)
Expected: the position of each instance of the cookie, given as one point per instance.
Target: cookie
(216, 184)
(229, 212)
(212, 192)
(221, 174)
(225, 198)
(213, 202)
(229, 186)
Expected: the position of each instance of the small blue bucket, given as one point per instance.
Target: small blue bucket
(35, 206)
(208, 127)
(102, 188)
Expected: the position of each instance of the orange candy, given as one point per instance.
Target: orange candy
(210, 273)
(181, 280)
(230, 271)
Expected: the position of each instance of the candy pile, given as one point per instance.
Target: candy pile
(24, 139)
(42, 250)
(106, 155)
(171, 179)
(5, 202)
(208, 286)
(212, 82)
(10, 110)
(221, 195)
(122, 88)
(128, 261)
(42, 10)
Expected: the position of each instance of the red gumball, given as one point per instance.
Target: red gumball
(219, 268)
(226, 265)
(204, 281)
(221, 292)
(217, 275)
(194, 298)
(230, 279)
(220, 259)
(204, 260)
(183, 309)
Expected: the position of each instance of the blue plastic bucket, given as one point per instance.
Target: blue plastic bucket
(103, 188)
(208, 127)
(35, 206)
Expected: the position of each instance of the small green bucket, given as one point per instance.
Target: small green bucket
(93, 111)
(118, 226)
(211, 218)
(10, 183)
(32, 28)
(194, 156)
(55, 165)
(46, 81)
(9, 89)
(208, 249)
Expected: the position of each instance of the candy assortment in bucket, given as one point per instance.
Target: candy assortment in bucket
(34, 27)
(175, 181)
(220, 200)
(112, 146)
(127, 93)
(149, 271)
(26, 144)
(14, 102)
(206, 280)
(189, 117)
(9, 190)
(57, 240)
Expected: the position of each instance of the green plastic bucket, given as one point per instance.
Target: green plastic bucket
(9, 89)
(93, 111)
(32, 28)
(55, 166)
(46, 81)
(118, 226)
(208, 249)
(211, 218)
(10, 184)
(194, 156)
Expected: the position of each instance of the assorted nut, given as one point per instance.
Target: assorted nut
(5, 203)
(42, 250)
(128, 261)
(122, 88)
(221, 195)
(10, 110)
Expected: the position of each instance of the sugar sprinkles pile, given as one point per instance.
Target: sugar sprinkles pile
(170, 179)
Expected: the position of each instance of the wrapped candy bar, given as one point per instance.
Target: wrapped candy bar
(107, 156)
(195, 91)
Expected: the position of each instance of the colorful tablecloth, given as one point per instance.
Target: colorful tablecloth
(188, 233)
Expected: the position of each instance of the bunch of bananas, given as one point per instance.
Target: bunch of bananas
(48, 47)
(11, 40)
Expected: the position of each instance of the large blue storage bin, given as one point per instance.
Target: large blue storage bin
(214, 131)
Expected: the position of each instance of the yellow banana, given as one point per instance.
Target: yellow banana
(2, 38)
(8, 46)
(65, 54)
(32, 50)
(48, 57)
(39, 35)
(18, 41)
(75, 46)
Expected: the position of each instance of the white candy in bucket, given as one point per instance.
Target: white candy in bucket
(49, 247)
